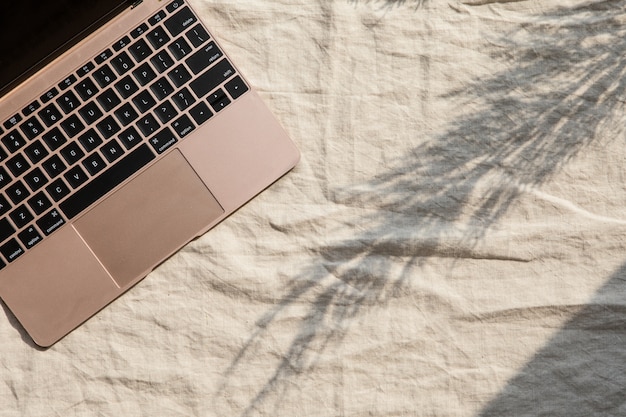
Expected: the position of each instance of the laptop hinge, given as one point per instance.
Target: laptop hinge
(136, 3)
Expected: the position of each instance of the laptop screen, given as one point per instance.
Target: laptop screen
(34, 32)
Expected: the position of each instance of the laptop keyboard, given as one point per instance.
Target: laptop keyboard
(106, 121)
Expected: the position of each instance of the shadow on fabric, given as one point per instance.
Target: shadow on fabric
(581, 371)
(564, 78)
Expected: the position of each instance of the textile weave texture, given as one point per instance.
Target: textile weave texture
(452, 242)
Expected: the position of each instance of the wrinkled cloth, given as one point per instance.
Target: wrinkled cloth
(452, 242)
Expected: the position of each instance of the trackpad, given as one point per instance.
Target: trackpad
(148, 219)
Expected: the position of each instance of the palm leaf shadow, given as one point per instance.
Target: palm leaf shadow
(521, 126)
(581, 371)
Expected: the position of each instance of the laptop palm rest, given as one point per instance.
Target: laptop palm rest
(149, 219)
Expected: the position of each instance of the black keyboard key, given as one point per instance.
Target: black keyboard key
(183, 99)
(54, 139)
(208, 81)
(220, 104)
(112, 150)
(121, 44)
(72, 153)
(162, 88)
(122, 63)
(35, 179)
(126, 87)
(68, 82)
(21, 216)
(54, 166)
(108, 127)
(31, 108)
(140, 30)
(72, 126)
(90, 113)
(163, 140)
(204, 58)
(5, 206)
(11, 250)
(86, 69)
(181, 21)
(162, 61)
(39, 203)
(104, 76)
(140, 50)
(157, 18)
(6, 229)
(3, 155)
(86, 89)
(201, 113)
(5, 179)
(144, 101)
(50, 222)
(32, 128)
(158, 37)
(58, 190)
(107, 181)
(183, 126)
(180, 48)
(104, 55)
(179, 76)
(52, 93)
(18, 165)
(12, 122)
(148, 125)
(50, 114)
(216, 96)
(36, 152)
(236, 87)
(109, 100)
(68, 102)
(198, 35)
(126, 114)
(175, 5)
(90, 140)
(166, 112)
(130, 137)
(29, 237)
(94, 164)
(144, 74)
(76, 177)
(17, 192)
(14, 141)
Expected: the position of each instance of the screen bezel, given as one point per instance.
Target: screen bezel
(65, 46)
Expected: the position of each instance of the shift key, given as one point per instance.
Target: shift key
(211, 79)
(6, 229)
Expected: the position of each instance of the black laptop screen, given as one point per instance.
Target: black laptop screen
(34, 32)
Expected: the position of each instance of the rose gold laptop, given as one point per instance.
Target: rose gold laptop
(125, 132)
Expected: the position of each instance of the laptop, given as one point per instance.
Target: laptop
(125, 132)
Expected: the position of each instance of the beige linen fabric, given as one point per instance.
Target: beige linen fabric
(451, 244)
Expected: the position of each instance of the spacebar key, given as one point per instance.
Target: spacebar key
(106, 181)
